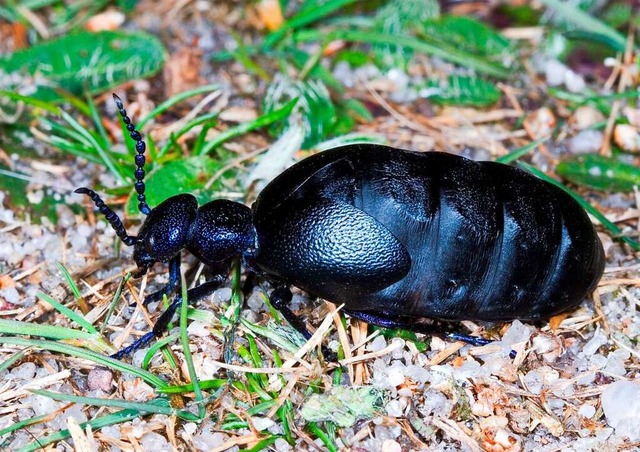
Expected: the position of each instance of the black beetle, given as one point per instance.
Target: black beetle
(397, 236)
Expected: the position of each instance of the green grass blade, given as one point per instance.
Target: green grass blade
(323, 436)
(11, 361)
(114, 302)
(70, 282)
(209, 120)
(97, 358)
(96, 424)
(231, 324)
(106, 158)
(164, 106)
(447, 53)
(97, 121)
(519, 152)
(160, 407)
(305, 17)
(69, 313)
(22, 424)
(15, 327)
(29, 100)
(248, 126)
(585, 21)
(184, 337)
(157, 346)
(206, 385)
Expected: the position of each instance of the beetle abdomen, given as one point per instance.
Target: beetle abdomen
(487, 241)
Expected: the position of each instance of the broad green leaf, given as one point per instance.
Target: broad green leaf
(344, 405)
(468, 35)
(599, 172)
(572, 14)
(82, 62)
(462, 90)
(400, 17)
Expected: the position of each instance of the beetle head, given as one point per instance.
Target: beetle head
(164, 232)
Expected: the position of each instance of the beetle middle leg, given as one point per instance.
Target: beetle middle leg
(281, 298)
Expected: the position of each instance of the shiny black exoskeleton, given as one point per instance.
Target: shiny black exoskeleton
(397, 236)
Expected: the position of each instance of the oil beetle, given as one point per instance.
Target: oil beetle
(399, 237)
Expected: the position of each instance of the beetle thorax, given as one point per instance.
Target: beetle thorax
(222, 230)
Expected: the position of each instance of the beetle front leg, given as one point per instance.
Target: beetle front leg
(173, 284)
(163, 321)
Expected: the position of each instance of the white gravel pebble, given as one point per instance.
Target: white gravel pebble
(621, 406)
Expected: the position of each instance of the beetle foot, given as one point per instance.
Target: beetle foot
(137, 344)
(471, 340)
(329, 355)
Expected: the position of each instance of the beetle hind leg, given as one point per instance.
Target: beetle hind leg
(408, 323)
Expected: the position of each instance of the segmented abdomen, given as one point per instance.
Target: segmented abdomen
(487, 241)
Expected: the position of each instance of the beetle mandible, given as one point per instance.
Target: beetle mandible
(396, 236)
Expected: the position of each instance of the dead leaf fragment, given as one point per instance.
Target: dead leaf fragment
(540, 123)
(108, 20)
(270, 14)
(627, 137)
(541, 417)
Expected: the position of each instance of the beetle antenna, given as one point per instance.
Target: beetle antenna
(110, 216)
(143, 207)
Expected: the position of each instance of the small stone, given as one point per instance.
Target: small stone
(534, 381)
(597, 341)
(100, 378)
(540, 123)
(587, 411)
(42, 405)
(389, 445)
(517, 333)
(396, 407)
(208, 440)
(24, 371)
(10, 295)
(615, 366)
(597, 362)
(621, 406)
(199, 329)
(256, 302)
(585, 117)
(155, 442)
(377, 344)
(396, 376)
(262, 423)
(281, 445)
(222, 295)
(585, 142)
(627, 137)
